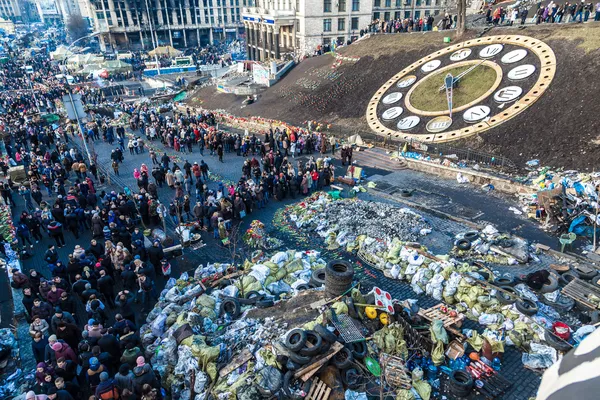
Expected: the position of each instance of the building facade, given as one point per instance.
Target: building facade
(144, 24)
(387, 10)
(10, 10)
(300, 26)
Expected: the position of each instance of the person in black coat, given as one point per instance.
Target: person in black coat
(124, 304)
(28, 298)
(155, 254)
(38, 346)
(105, 286)
(110, 344)
(96, 249)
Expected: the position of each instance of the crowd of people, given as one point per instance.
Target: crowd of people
(85, 308)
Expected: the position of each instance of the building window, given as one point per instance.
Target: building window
(354, 23)
(418, 3)
(437, 2)
(326, 5)
(436, 12)
(377, 3)
(376, 15)
(388, 3)
(427, 2)
(417, 14)
(397, 15)
(386, 16)
(341, 24)
(407, 2)
(406, 14)
(355, 5)
(342, 5)
(327, 25)
(341, 40)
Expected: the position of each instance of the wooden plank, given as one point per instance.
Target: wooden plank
(308, 371)
(327, 393)
(237, 362)
(313, 387)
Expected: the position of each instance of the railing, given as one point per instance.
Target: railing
(434, 150)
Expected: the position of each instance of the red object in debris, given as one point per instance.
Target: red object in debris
(561, 330)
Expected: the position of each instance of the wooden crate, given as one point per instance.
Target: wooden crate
(434, 313)
(580, 290)
(318, 390)
(395, 372)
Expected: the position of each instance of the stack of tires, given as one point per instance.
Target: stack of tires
(339, 275)
(304, 345)
(460, 383)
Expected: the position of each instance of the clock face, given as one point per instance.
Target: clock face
(494, 79)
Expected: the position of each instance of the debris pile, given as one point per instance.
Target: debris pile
(356, 224)
(491, 246)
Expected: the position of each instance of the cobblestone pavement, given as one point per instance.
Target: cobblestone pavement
(439, 241)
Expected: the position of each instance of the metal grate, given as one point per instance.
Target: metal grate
(347, 328)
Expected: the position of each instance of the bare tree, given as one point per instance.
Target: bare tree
(461, 17)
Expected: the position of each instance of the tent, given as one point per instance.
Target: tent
(81, 60)
(117, 66)
(61, 53)
(90, 69)
(355, 139)
(165, 51)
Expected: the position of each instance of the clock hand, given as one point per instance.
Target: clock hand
(459, 76)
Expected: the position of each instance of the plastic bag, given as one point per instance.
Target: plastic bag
(158, 326)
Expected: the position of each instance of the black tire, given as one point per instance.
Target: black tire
(251, 298)
(551, 285)
(503, 298)
(285, 387)
(471, 236)
(351, 378)
(318, 277)
(555, 342)
(405, 193)
(461, 383)
(291, 365)
(504, 281)
(300, 359)
(526, 306)
(265, 303)
(463, 244)
(325, 333)
(340, 270)
(230, 306)
(567, 277)
(352, 312)
(343, 358)
(359, 349)
(316, 340)
(302, 286)
(295, 339)
(588, 276)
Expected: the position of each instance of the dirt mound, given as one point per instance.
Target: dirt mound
(560, 129)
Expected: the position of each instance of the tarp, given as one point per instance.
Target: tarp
(165, 51)
(117, 66)
(81, 60)
(355, 139)
(90, 69)
(61, 53)
(180, 97)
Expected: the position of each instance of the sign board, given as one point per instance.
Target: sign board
(260, 75)
(47, 7)
(74, 108)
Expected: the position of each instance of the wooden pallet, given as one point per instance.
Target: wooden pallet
(434, 313)
(369, 259)
(580, 290)
(318, 390)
